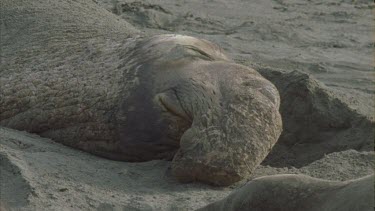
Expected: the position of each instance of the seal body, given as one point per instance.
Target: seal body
(109, 91)
(299, 192)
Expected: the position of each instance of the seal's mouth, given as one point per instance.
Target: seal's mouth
(178, 120)
(171, 103)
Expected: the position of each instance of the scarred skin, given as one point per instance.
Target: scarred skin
(73, 72)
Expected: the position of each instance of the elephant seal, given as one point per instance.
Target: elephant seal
(74, 72)
(299, 193)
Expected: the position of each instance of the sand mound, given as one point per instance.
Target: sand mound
(15, 185)
(152, 15)
(315, 121)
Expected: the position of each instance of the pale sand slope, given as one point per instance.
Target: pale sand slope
(39, 174)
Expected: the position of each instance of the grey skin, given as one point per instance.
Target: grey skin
(76, 73)
(299, 193)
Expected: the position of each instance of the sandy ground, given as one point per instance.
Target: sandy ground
(330, 40)
(39, 174)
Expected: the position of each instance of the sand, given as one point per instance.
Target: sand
(330, 136)
(39, 174)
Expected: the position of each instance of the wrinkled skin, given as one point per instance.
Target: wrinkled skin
(223, 116)
(104, 89)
